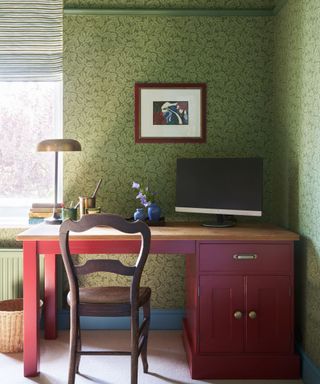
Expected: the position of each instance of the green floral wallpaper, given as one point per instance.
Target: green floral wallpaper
(170, 4)
(104, 57)
(7, 237)
(163, 273)
(297, 158)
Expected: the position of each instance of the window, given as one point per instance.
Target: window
(29, 112)
(30, 102)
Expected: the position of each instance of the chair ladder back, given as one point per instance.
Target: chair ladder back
(114, 266)
(102, 265)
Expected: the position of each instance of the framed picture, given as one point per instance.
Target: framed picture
(170, 113)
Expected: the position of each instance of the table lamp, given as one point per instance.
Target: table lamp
(56, 146)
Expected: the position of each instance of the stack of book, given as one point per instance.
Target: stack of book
(40, 211)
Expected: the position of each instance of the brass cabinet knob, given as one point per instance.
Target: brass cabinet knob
(252, 315)
(237, 315)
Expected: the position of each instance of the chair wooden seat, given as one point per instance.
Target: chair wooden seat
(107, 300)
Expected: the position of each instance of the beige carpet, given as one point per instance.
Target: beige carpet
(167, 362)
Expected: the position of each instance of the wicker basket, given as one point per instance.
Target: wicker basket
(11, 325)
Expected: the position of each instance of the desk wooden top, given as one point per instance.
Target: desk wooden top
(171, 231)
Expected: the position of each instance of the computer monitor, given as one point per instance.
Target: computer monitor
(220, 186)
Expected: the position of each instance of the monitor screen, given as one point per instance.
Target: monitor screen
(223, 186)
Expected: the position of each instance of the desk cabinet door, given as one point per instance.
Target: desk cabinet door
(221, 296)
(250, 314)
(269, 314)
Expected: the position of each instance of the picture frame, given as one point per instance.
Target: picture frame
(170, 112)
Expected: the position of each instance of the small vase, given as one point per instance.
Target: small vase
(139, 214)
(154, 212)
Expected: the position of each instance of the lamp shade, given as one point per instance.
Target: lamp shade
(59, 145)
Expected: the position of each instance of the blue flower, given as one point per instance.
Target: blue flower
(145, 196)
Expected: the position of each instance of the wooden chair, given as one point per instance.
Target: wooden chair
(107, 301)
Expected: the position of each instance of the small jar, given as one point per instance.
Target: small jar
(139, 214)
(69, 213)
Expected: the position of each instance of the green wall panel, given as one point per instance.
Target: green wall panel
(297, 158)
(104, 57)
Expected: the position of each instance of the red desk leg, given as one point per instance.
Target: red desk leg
(50, 297)
(31, 356)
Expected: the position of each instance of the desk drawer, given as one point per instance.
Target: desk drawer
(246, 258)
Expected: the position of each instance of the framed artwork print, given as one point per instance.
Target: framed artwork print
(170, 113)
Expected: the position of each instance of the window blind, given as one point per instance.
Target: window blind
(31, 40)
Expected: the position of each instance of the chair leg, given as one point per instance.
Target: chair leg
(79, 346)
(73, 345)
(134, 347)
(146, 315)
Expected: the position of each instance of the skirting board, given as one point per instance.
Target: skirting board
(310, 373)
(160, 319)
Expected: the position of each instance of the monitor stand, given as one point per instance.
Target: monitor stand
(219, 222)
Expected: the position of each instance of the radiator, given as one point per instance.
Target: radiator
(11, 274)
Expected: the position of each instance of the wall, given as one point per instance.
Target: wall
(105, 55)
(297, 141)
(216, 4)
(7, 237)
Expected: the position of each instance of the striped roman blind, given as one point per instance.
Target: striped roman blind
(31, 40)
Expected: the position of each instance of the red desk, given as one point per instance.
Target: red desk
(176, 238)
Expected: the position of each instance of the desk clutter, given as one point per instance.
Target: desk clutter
(40, 212)
(87, 204)
(149, 212)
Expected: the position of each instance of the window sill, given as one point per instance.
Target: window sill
(14, 222)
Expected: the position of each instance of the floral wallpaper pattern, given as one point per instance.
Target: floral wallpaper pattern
(103, 58)
(170, 4)
(297, 158)
(7, 237)
(164, 274)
